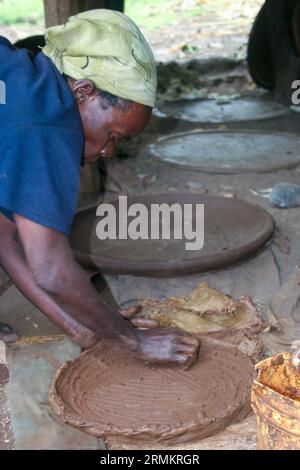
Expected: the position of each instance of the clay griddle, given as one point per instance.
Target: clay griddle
(228, 151)
(209, 111)
(234, 230)
(110, 394)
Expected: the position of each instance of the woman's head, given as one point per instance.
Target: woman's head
(107, 119)
(113, 75)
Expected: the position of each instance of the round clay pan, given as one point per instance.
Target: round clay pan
(209, 111)
(112, 395)
(233, 230)
(228, 151)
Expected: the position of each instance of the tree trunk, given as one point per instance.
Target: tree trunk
(57, 11)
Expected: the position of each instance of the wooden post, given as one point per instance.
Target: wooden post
(58, 11)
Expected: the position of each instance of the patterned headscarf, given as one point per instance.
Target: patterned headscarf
(108, 48)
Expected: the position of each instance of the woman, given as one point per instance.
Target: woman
(92, 86)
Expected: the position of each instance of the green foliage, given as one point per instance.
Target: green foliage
(18, 11)
(150, 14)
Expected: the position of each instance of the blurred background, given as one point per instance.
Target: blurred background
(176, 29)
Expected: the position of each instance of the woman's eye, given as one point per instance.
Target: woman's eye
(120, 141)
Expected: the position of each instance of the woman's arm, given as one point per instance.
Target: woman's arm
(54, 270)
(13, 261)
(41, 263)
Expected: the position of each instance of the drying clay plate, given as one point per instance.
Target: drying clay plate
(107, 393)
(209, 111)
(228, 151)
(233, 230)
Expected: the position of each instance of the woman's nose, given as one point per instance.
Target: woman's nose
(108, 150)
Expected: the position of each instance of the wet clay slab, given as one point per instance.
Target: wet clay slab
(110, 394)
(210, 111)
(233, 230)
(228, 151)
(206, 310)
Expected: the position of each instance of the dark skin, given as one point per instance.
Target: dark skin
(40, 261)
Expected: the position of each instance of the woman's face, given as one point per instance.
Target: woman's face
(105, 125)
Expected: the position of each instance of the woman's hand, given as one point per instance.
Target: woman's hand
(138, 322)
(161, 346)
(164, 346)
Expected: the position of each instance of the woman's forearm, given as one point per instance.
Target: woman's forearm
(51, 262)
(75, 306)
(41, 263)
(13, 262)
(72, 289)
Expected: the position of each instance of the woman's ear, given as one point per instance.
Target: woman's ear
(82, 89)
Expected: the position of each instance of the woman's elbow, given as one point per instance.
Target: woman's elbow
(49, 278)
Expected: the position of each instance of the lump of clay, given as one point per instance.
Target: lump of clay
(208, 311)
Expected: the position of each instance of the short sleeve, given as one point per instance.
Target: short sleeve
(39, 174)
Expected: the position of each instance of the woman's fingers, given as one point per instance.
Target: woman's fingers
(184, 360)
(191, 340)
(129, 312)
(186, 349)
(138, 322)
(144, 323)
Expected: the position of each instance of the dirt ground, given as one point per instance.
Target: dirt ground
(222, 32)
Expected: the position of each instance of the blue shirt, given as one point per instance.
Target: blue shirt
(41, 140)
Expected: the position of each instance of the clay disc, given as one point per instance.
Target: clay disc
(233, 230)
(228, 151)
(209, 111)
(110, 394)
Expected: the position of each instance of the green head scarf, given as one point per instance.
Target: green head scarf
(108, 48)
